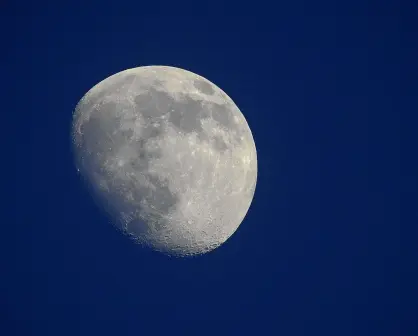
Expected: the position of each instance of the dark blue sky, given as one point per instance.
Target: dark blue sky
(329, 246)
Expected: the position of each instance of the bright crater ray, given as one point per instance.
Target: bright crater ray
(168, 155)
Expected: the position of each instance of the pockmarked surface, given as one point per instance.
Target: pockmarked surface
(168, 155)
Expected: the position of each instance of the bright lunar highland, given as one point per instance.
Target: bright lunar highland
(168, 155)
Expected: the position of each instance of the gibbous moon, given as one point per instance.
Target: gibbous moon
(168, 155)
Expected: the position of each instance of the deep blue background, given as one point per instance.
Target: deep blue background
(329, 246)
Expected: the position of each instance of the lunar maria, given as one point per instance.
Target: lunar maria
(168, 155)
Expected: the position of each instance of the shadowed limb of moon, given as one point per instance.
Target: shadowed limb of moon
(169, 155)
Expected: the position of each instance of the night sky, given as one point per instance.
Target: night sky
(330, 243)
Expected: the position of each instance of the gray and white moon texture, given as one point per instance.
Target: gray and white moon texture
(168, 155)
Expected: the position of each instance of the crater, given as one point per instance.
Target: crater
(95, 96)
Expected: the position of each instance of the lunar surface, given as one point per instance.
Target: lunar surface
(168, 155)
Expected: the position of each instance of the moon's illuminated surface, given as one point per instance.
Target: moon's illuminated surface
(169, 156)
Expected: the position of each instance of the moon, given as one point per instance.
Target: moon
(168, 155)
